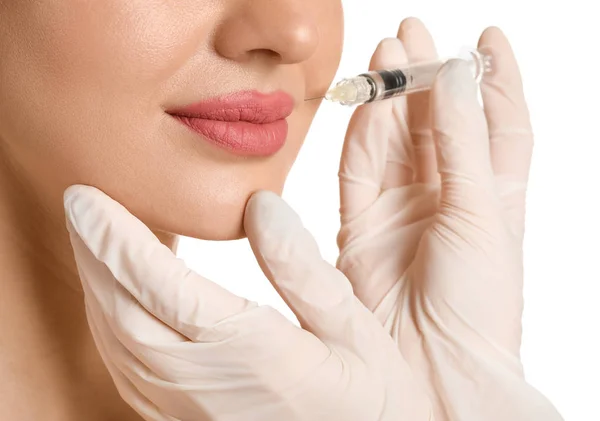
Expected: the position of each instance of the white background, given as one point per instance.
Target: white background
(553, 42)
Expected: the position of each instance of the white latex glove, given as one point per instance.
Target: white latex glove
(180, 347)
(433, 202)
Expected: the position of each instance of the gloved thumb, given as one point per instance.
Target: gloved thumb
(461, 137)
(114, 250)
(320, 296)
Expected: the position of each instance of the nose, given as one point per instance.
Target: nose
(283, 29)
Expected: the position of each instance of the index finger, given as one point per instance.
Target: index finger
(364, 166)
(125, 250)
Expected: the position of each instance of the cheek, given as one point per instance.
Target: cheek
(123, 46)
(78, 76)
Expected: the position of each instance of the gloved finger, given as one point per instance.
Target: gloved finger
(462, 142)
(127, 316)
(122, 249)
(374, 129)
(320, 296)
(420, 47)
(511, 137)
(399, 167)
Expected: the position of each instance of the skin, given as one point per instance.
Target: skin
(83, 89)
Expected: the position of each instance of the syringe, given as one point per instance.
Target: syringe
(383, 84)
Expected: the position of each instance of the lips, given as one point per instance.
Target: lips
(244, 123)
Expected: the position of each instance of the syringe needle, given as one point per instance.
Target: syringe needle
(317, 97)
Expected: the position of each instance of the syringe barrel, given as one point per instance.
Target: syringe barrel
(419, 77)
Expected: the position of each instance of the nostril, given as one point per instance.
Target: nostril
(265, 52)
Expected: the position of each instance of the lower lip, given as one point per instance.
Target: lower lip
(240, 137)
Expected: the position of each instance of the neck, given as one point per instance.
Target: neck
(49, 366)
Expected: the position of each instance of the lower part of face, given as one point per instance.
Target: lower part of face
(86, 86)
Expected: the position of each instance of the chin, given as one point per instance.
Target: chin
(219, 225)
(214, 222)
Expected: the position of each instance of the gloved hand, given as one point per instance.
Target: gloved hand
(432, 212)
(180, 347)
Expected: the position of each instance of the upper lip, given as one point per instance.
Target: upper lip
(250, 106)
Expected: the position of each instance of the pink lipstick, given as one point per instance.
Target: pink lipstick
(245, 123)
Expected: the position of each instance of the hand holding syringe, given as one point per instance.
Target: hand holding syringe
(382, 84)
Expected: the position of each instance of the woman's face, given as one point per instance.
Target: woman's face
(93, 92)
